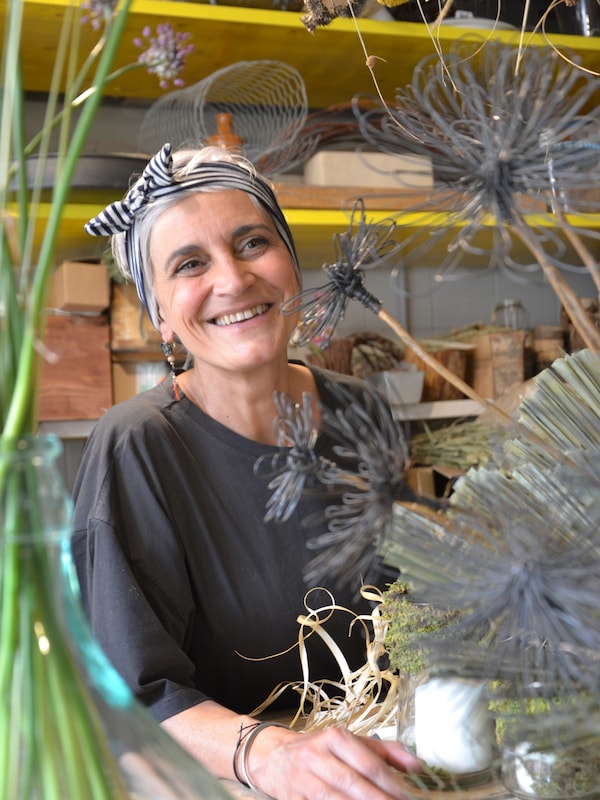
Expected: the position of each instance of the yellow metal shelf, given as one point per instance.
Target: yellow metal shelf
(331, 60)
(313, 229)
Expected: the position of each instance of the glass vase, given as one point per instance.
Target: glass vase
(445, 721)
(531, 770)
(70, 729)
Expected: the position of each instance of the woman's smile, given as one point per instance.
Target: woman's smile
(242, 316)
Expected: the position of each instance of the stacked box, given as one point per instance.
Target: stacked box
(80, 286)
(75, 381)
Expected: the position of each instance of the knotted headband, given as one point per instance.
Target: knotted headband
(156, 181)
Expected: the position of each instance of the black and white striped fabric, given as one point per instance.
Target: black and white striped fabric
(157, 180)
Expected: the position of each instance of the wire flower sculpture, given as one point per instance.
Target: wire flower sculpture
(514, 151)
(365, 481)
(526, 593)
(372, 460)
(517, 556)
(361, 247)
(356, 251)
(295, 467)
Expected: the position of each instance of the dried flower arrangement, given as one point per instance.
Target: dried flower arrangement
(513, 561)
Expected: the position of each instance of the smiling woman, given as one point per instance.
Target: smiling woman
(171, 514)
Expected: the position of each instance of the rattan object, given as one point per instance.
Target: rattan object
(266, 100)
(359, 354)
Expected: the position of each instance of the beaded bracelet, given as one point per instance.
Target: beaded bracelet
(247, 743)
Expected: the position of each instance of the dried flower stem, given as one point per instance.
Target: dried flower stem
(441, 370)
(580, 248)
(589, 334)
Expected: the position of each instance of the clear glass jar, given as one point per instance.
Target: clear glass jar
(446, 722)
(70, 729)
(563, 774)
(510, 314)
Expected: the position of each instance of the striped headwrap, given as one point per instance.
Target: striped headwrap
(157, 180)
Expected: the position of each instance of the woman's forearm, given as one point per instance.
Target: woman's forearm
(211, 732)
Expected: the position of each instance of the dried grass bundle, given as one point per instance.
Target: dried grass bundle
(363, 700)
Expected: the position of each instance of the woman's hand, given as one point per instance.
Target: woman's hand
(332, 764)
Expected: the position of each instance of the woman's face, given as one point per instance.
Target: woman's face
(221, 271)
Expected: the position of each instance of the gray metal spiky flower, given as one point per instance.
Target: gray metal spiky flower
(514, 137)
(364, 482)
(296, 466)
(361, 247)
(372, 460)
(518, 556)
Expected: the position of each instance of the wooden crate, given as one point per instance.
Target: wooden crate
(435, 387)
(498, 362)
(75, 371)
(130, 326)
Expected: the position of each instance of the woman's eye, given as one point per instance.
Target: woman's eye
(256, 242)
(189, 265)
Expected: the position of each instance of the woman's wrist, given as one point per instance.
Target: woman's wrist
(246, 740)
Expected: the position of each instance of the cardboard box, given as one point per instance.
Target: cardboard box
(372, 170)
(420, 480)
(131, 377)
(498, 362)
(435, 481)
(75, 380)
(82, 286)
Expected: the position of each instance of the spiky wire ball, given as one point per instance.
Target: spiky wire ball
(295, 467)
(374, 454)
(361, 247)
(507, 134)
(517, 556)
(526, 594)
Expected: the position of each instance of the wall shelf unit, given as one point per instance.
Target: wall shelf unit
(225, 34)
(313, 229)
(332, 63)
(331, 60)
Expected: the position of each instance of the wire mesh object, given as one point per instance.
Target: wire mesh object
(510, 133)
(266, 99)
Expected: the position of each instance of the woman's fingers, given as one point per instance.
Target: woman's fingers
(334, 764)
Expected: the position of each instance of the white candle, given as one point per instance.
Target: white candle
(452, 725)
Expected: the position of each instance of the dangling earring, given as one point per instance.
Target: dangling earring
(168, 353)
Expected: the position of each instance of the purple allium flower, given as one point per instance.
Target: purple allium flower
(165, 53)
(99, 11)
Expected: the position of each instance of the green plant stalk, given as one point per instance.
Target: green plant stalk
(50, 732)
(20, 417)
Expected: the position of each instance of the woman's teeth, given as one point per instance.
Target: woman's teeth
(229, 319)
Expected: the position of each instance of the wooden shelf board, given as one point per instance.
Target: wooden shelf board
(313, 228)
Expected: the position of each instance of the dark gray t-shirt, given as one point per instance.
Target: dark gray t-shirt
(189, 591)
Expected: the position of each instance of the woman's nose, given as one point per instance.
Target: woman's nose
(232, 275)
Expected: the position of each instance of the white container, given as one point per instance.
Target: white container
(452, 726)
(401, 386)
(372, 170)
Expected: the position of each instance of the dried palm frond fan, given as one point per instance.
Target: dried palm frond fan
(266, 100)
